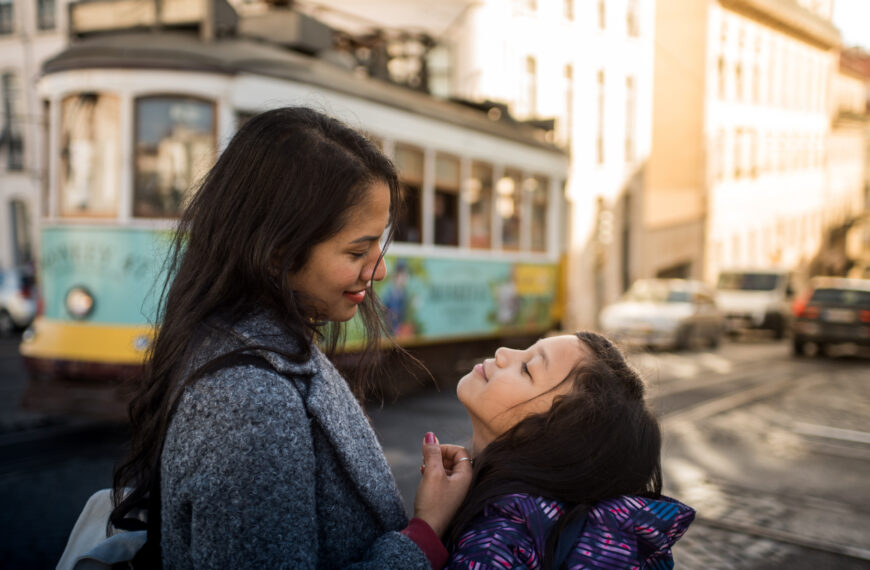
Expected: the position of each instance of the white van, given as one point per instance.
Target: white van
(756, 299)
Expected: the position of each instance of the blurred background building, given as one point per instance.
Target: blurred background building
(742, 171)
(702, 134)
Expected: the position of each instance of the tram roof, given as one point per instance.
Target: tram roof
(183, 51)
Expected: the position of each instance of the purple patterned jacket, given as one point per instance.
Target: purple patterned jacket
(625, 532)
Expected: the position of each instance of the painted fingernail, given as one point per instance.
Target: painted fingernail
(430, 437)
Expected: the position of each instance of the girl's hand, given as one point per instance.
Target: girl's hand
(446, 478)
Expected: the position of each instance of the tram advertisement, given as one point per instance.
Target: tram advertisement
(438, 299)
(118, 265)
(100, 288)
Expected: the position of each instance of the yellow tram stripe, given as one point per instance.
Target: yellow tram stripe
(64, 340)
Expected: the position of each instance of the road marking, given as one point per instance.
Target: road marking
(676, 387)
(832, 433)
(787, 537)
(716, 406)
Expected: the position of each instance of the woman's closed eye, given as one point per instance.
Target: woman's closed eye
(525, 370)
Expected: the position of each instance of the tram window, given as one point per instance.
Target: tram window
(409, 162)
(446, 200)
(243, 117)
(175, 146)
(90, 166)
(538, 187)
(509, 205)
(479, 197)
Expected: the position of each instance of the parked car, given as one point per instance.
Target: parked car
(833, 310)
(665, 313)
(17, 299)
(756, 299)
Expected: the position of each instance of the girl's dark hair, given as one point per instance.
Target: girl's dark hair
(286, 182)
(598, 441)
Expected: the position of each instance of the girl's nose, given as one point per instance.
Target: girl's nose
(502, 355)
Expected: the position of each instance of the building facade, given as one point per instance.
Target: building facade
(587, 65)
(31, 31)
(751, 166)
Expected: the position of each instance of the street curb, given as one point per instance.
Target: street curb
(64, 427)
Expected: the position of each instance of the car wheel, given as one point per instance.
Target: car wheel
(779, 330)
(683, 339)
(798, 348)
(7, 325)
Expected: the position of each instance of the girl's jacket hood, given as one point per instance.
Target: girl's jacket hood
(623, 532)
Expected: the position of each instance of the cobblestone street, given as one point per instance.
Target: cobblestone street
(774, 454)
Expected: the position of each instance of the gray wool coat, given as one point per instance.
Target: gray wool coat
(276, 468)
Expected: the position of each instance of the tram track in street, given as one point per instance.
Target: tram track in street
(781, 517)
(780, 524)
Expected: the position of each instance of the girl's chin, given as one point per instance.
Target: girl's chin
(460, 389)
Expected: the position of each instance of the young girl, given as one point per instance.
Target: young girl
(249, 449)
(567, 463)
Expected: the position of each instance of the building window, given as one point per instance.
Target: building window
(721, 77)
(6, 17)
(174, 148)
(602, 15)
(738, 81)
(479, 198)
(538, 188)
(756, 83)
(22, 248)
(446, 200)
(632, 23)
(599, 137)
(630, 106)
(569, 102)
(11, 140)
(45, 14)
(529, 93)
(719, 156)
(568, 9)
(509, 206)
(738, 153)
(752, 135)
(90, 164)
(782, 154)
(525, 6)
(409, 163)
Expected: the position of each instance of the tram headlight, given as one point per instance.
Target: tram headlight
(79, 302)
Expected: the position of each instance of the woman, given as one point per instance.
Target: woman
(249, 449)
(567, 463)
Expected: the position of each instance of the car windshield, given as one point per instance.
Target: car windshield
(734, 281)
(841, 297)
(656, 292)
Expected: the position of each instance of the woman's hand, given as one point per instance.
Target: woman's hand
(446, 477)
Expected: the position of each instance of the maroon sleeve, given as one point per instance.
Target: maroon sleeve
(423, 536)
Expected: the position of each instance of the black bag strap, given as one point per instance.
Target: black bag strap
(567, 539)
(148, 557)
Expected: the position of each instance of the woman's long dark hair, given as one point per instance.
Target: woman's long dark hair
(286, 182)
(599, 440)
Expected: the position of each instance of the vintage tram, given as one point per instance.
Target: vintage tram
(134, 119)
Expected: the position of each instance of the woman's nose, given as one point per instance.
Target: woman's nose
(377, 271)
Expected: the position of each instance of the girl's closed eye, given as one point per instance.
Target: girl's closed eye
(358, 254)
(525, 370)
